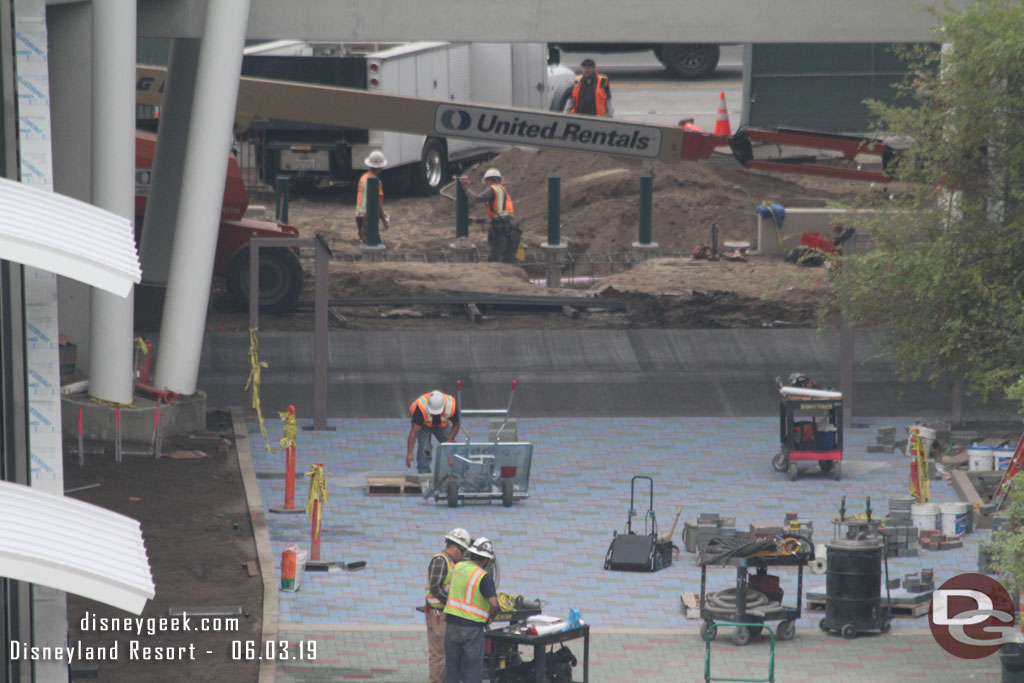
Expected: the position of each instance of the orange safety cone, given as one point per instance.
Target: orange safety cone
(722, 126)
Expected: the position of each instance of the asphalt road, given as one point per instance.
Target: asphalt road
(644, 91)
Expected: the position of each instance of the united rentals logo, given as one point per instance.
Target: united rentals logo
(971, 616)
(548, 130)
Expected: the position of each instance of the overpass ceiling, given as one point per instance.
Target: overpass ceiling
(724, 21)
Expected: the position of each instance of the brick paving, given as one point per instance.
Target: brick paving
(365, 624)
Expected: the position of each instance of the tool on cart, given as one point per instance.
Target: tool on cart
(481, 470)
(810, 428)
(635, 552)
(853, 601)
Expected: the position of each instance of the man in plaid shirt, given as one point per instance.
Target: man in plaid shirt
(439, 579)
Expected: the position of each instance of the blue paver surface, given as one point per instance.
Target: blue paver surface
(553, 545)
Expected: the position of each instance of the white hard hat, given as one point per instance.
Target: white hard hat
(482, 547)
(492, 173)
(459, 537)
(435, 403)
(376, 159)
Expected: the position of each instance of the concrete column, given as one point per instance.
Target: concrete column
(373, 253)
(157, 238)
(202, 192)
(113, 189)
(554, 256)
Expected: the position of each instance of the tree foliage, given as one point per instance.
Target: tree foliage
(944, 267)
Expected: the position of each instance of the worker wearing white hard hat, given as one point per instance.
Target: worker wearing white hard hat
(434, 414)
(439, 579)
(503, 235)
(375, 163)
(472, 603)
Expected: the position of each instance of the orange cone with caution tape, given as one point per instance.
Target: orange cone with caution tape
(722, 126)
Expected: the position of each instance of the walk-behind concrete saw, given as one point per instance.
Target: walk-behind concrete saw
(633, 552)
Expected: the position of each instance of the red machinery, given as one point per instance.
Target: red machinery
(281, 276)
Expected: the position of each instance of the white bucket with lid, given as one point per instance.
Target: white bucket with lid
(927, 439)
(954, 518)
(925, 516)
(1001, 457)
(979, 458)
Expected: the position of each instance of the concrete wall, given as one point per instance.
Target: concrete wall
(724, 21)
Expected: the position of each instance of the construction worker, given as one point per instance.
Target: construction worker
(439, 578)
(433, 414)
(472, 602)
(504, 234)
(688, 124)
(375, 163)
(591, 93)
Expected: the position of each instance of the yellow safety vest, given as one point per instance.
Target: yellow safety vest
(464, 597)
(501, 205)
(433, 601)
(446, 414)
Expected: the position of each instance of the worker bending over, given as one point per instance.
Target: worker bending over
(433, 414)
(472, 602)
(439, 578)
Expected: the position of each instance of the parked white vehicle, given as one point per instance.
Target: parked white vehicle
(503, 74)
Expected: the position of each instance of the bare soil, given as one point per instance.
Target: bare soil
(199, 538)
(599, 209)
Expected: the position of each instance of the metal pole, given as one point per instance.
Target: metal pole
(81, 440)
(197, 226)
(314, 540)
(646, 193)
(461, 212)
(320, 336)
(554, 209)
(372, 211)
(254, 284)
(113, 188)
(281, 184)
(846, 349)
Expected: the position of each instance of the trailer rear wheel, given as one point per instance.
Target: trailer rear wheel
(430, 174)
(506, 493)
(453, 493)
(792, 471)
(281, 279)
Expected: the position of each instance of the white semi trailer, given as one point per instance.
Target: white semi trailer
(503, 74)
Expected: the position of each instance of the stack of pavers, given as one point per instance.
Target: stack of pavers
(933, 539)
(886, 441)
(900, 533)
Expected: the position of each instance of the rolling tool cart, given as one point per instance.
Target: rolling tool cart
(639, 553)
(810, 430)
(757, 598)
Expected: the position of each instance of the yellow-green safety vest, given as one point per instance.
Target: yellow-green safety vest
(464, 597)
(432, 600)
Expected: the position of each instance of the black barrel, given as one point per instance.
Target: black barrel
(853, 584)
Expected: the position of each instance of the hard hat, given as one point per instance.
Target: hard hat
(375, 160)
(435, 402)
(459, 537)
(492, 173)
(482, 548)
(588, 62)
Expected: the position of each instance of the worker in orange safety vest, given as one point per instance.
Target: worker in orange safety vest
(375, 163)
(433, 414)
(688, 124)
(591, 93)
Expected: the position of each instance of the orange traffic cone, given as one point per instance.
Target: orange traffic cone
(722, 126)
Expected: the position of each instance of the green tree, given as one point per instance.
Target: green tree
(944, 271)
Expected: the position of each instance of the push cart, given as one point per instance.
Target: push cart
(631, 551)
(756, 598)
(810, 430)
(482, 470)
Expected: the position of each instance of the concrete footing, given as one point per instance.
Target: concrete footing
(373, 254)
(463, 249)
(554, 257)
(185, 415)
(642, 252)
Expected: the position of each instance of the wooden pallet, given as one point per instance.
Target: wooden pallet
(395, 485)
(907, 610)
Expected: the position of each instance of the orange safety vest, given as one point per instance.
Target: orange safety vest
(361, 199)
(691, 127)
(465, 599)
(600, 94)
(446, 414)
(432, 600)
(501, 205)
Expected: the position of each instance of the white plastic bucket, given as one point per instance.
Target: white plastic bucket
(954, 518)
(927, 439)
(979, 458)
(1001, 457)
(925, 516)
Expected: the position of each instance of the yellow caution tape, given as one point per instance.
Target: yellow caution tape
(317, 491)
(255, 370)
(140, 345)
(291, 431)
